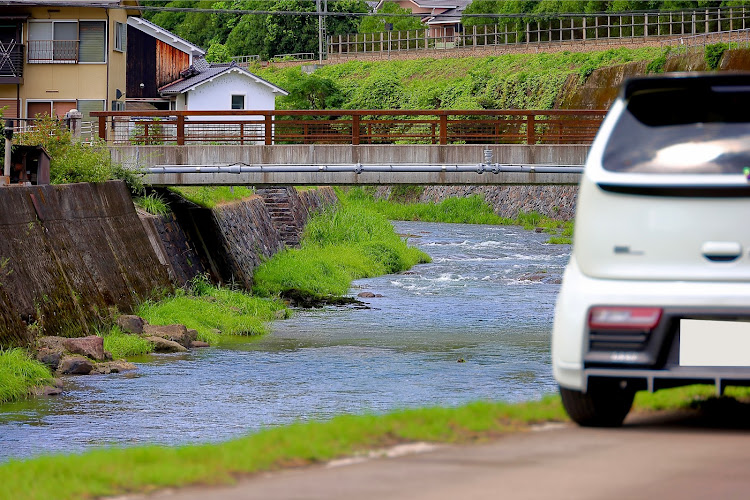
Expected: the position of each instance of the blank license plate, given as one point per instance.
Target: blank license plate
(714, 343)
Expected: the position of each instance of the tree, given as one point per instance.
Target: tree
(311, 92)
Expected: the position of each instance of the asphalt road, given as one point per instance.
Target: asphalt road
(665, 456)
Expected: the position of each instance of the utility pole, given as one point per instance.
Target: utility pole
(8, 133)
(321, 28)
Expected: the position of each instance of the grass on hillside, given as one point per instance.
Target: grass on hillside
(338, 246)
(19, 373)
(510, 81)
(469, 210)
(210, 196)
(214, 311)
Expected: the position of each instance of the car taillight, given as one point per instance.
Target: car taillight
(624, 318)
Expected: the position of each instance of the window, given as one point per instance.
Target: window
(67, 41)
(93, 41)
(86, 106)
(118, 106)
(121, 36)
(238, 102)
(55, 109)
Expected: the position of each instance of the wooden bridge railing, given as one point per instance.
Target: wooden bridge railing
(350, 127)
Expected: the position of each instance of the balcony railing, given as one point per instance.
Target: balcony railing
(53, 51)
(11, 62)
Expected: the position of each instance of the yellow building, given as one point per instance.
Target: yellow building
(60, 55)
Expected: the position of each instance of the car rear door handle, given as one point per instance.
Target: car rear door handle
(721, 251)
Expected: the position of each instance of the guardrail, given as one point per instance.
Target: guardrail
(350, 127)
(733, 39)
(528, 29)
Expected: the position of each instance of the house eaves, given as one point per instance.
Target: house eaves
(214, 71)
(165, 36)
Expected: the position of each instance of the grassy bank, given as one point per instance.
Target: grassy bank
(470, 210)
(511, 81)
(337, 247)
(107, 472)
(119, 471)
(210, 196)
(19, 374)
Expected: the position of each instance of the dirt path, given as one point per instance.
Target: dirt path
(658, 456)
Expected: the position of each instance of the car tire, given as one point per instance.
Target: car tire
(599, 407)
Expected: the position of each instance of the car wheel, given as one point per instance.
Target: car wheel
(603, 406)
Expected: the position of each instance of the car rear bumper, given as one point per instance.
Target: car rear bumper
(652, 380)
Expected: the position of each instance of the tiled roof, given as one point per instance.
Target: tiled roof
(208, 71)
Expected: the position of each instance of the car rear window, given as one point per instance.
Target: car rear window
(682, 131)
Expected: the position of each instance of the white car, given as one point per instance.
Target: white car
(657, 291)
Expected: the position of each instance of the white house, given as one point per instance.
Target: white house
(219, 86)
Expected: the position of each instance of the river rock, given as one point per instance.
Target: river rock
(91, 346)
(165, 345)
(130, 323)
(49, 357)
(53, 343)
(199, 343)
(75, 365)
(175, 333)
(366, 295)
(116, 366)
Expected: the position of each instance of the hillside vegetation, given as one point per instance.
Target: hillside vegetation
(517, 81)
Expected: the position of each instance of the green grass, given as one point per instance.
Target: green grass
(119, 471)
(511, 81)
(122, 345)
(210, 196)
(470, 210)
(19, 374)
(214, 311)
(107, 472)
(684, 397)
(337, 247)
(153, 204)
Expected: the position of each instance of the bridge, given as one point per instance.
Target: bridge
(333, 147)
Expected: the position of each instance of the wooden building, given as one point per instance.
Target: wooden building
(155, 58)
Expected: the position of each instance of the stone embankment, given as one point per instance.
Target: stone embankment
(75, 255)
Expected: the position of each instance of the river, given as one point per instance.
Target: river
(473, 324)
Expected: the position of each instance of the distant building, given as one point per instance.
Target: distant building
(219, 86)
(442, 17)
(155, 58)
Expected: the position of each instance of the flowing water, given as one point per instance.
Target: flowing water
(474, 324)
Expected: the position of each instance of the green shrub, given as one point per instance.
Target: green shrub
(713, 53)
(75, 161)
(19, 374)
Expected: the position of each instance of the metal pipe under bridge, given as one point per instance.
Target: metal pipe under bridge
(327, 164)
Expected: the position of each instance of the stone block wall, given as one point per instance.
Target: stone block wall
(556, 202)
(232, 239)
(70, 254)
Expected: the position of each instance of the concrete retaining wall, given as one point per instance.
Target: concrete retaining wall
(71, 254)
(232, 239)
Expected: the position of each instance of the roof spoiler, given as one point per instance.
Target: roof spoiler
(699, 83)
